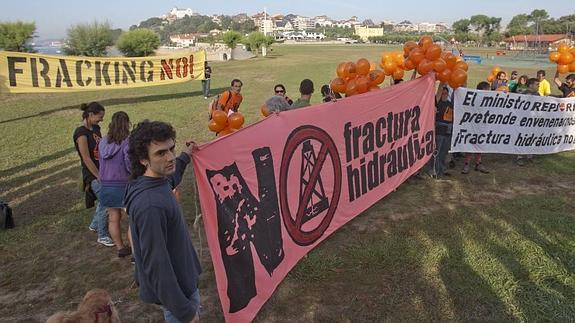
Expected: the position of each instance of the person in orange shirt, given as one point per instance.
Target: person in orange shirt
(231, 99)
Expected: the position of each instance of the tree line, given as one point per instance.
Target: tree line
(143, 39)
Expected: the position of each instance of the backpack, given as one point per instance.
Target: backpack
(213, 105)
(6, 219)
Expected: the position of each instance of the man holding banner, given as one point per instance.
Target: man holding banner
(167, 267)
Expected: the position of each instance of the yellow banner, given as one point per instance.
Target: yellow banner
(33, 73)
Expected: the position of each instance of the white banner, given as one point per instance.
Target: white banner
(510, 123)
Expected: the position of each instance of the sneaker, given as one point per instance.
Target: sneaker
(106, 241)
(124, 252)
(447, 174)
(452, 164)
(91, 228)
(479, 167)
(466, 169)
(133, 261)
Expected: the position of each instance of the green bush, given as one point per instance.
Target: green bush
(138, 42)
(89, 39)
(15, 36)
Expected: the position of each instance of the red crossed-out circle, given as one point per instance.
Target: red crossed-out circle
(294, 225)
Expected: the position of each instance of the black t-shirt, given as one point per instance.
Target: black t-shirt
(93, 137)
(443, 117)
(208, 72)
(567, 91)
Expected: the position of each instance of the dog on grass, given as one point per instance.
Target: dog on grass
(96, 307)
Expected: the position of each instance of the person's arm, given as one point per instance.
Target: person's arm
(85, 154)
(127, 162)
(438, 93)
(181, 162)
(156, 265)
(557, 80)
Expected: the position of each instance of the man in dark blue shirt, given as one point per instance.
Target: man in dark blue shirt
(167, 267)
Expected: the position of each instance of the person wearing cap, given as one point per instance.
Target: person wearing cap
(512, 84)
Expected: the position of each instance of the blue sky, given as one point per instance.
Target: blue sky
(55, 16)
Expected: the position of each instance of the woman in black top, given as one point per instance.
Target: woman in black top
(86, 138)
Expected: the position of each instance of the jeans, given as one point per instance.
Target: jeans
(100, 219)
(170, 318)
(443, 143)
(206, 87)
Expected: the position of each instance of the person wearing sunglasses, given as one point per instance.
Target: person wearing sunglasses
(280, 90)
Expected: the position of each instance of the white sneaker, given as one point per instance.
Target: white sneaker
(106, 241)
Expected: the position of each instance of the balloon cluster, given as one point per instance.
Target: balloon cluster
(493, 74)
(222, 124)
(392, 64)
(564, 57)
(356, 78)
(426, 57)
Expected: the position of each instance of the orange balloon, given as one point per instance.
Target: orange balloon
(340, 71)
(398, 58)
(554, 56)
(462, 66)
(450, 60)
(572, 67)
(458, 76)
(351, 87)
(425, 66)
(408, 65)
(398, 74)
(417, 55)
(386, 57)
(563, 48)
(453, 85)
(371, 66)
(362, 84)
(389, 67)
(408, 46)
(433, 52)
(236, 120)
(425, 42)
(495, 70)
(565, 59)
(490, 78)
(215, 127)
(362, 66)
(220, 117)
(338, 85)
(439, 65)
(562, 69)
(349, 70)
(376, 77)
(458, 59)
(373, 88)
(264, 110)
(225, 132)
(444, 75)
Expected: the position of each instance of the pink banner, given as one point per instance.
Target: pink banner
(273, 191)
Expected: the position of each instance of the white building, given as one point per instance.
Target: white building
(183, 40)
(323, 21)
(405, 25)
(180, 13)
(303, 23)
(426, 27)
(266, 26)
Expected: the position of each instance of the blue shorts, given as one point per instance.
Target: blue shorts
(112, 196)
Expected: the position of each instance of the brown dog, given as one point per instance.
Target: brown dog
(96, 307)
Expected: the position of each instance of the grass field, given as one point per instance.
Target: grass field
(477, 247)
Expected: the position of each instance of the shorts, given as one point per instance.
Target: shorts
(112, 196)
